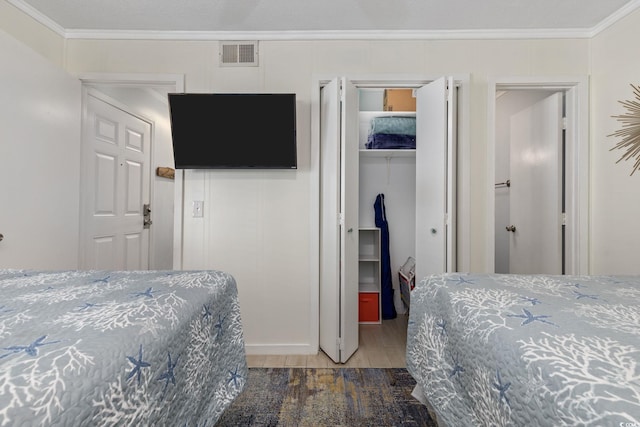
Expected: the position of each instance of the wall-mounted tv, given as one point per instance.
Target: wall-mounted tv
(233, 130)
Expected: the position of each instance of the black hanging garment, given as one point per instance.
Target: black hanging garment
(388, 305)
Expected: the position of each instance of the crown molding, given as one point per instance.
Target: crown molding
(500, 34)
(41, 18)
(328, 35)
(615, 17)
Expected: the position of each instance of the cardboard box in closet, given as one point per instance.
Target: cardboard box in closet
(399, 100)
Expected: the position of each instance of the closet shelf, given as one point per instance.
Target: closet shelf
(368, 287)
(387, 153)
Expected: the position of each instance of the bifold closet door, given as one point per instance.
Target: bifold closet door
(339, 201)
(435, 178)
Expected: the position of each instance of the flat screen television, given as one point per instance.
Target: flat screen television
(233, 131)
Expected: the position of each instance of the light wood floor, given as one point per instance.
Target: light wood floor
(380, 346)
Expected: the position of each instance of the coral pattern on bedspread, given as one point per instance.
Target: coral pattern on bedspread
(119, 348)
(524, 350)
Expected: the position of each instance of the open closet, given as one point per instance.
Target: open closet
(387, 166)
(419, 193)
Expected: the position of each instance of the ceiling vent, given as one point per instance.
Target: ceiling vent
(239, 54)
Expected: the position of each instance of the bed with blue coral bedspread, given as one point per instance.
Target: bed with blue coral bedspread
(99, 348)
(527, 350)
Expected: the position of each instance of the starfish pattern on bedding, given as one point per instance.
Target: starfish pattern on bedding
(502, 388)
(169, 375)
(530, 318)
(87, 305)
(580, 295)
(220, 325)
(31, 349)
(574, 285)
(532, 300)
(456, 367)
(207, 312)
(138, 364)
(443, 327)
(147, 294)
(103, 280)
(235, 376)
(461, 281)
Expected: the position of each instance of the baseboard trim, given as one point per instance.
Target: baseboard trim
(280, 349)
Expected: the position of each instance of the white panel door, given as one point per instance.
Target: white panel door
(330, 223)
(535, 193)
(435, 178)
(339, 206)
(115, 185)
(349, 235)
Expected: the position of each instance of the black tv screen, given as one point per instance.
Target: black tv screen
(216, 130)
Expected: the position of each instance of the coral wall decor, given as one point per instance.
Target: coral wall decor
(630, 130)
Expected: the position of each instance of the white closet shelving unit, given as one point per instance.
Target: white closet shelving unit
(369, 270)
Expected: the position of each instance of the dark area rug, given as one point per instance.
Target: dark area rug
(327, 397)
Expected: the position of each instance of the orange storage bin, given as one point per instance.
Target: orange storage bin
(368, 307)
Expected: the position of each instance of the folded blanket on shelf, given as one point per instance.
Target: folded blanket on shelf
(390, 141)
(402, 125)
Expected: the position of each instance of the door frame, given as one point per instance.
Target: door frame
(173, 82)
(463, 246)
(576, 90)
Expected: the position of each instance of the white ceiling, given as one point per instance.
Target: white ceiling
(371, 18)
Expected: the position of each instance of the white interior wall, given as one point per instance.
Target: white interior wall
(275, 295)
(42, 231)
(256, 225)
(39, 161)
(615, 195)
(31, 33)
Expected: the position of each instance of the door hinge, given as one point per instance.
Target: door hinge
(564, 218)
(340, 344)
(564, 123)
(341, 219)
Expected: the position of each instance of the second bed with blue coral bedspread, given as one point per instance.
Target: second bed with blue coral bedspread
(119, 348)
(527, 350)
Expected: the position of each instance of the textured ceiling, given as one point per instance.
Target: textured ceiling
(325, 15)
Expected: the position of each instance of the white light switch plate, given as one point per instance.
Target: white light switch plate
(198, 208)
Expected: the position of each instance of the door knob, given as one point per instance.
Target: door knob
(511, 228)
(1, 237)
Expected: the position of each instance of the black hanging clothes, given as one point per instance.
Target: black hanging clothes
(386, 294)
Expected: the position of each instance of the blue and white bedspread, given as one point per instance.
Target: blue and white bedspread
(523, 350)
(99, 348)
